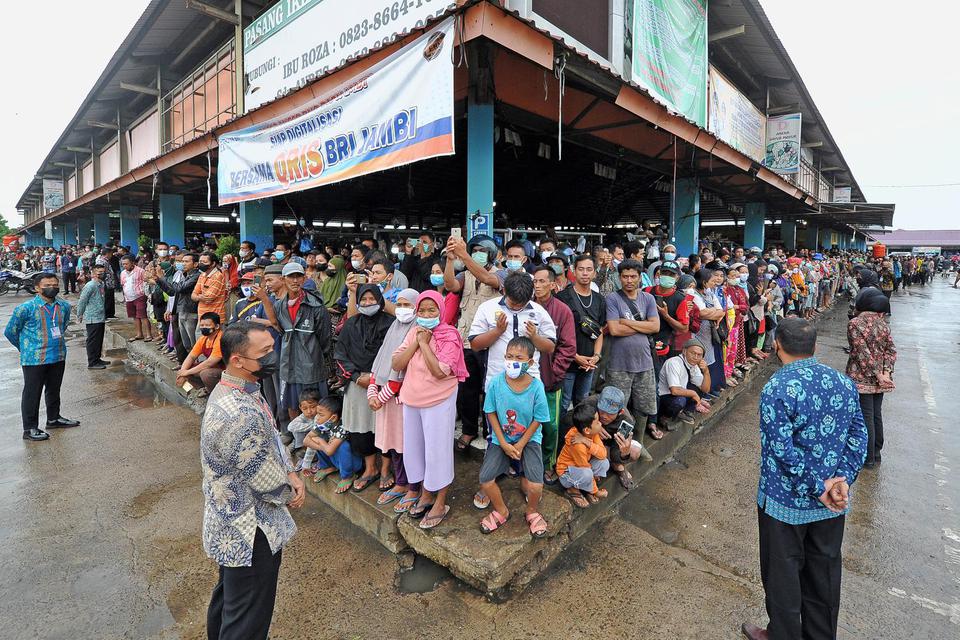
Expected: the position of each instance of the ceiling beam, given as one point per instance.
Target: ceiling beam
(785, 108)
(214, 12)
(139, 88)
(812, 145)
(103, 125)
(728, 33)
(78, 149)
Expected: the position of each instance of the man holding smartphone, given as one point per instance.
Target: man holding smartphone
(418, 264)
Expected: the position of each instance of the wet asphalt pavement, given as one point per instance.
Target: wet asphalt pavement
(100, 526)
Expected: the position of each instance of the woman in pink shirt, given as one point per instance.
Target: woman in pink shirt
(432, 358)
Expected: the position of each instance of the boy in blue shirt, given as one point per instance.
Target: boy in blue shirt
(516, 405)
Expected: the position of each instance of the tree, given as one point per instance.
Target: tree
(4, 227)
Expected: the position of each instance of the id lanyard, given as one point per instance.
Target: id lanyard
(54, 319)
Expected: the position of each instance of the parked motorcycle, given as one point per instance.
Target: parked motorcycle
(13, 280)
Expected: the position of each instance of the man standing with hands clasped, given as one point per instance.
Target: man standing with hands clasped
(248, 482)
(813, 444)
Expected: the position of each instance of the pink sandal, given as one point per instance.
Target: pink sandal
(538, 526)
(492, 522)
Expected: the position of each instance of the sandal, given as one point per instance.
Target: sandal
(418, 511)
(429, 522)
(626, 480)
(343, 486)
(323, 474)
(390, 496)
(362, 483)
(462, 445)
(654, 431)
(550, 477)
(492, 522)
(480, 501)
(134, 339)
(577, 498)
(387, 483)
(538, 526)
(405, 503)
(592, 499)
(601, 494)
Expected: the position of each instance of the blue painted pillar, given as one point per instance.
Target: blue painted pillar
(256, 222)
(70, 232)
(788, 233)
(130, 227)
(685, 217)
(479, 169)
(59, 237)
(754, 234)
(101, 228)
(171, 218)
(84, 230)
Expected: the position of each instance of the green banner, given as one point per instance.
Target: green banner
(667, 50)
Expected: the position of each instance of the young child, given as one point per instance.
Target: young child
(302, 425)
(329, 440)
(583, 458)
(516, 405)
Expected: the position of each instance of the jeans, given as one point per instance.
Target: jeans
(871, 405)
(576, 387)
(346, 462)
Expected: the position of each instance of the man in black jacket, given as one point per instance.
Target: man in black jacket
(181, 288)
(418, 264)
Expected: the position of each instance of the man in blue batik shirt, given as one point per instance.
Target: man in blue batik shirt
(813, 445)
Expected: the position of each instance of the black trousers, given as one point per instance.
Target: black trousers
(109, 302)
(871, 405)
(69, 281)
(468, 395)
(241, 606)
(800, 566)
(37, 379)
(95, 342)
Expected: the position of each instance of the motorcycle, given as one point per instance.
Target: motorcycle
(13, 280)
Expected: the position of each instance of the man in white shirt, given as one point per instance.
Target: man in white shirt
(499, 320)
(683, 378)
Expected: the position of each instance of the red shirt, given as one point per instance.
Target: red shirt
(293, 306)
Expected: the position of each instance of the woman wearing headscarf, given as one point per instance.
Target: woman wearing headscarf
(870, 364)
(736, 354)
(360, 340)
(333, 282)
(382, 396)
(757, 299)
(711, 313)
(432, 358)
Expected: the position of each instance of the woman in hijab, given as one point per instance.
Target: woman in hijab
(711, 313)
(382, 396)
(757, 299)
(870, 364)
(432, 358)
(360, 340)
(736, 354)
(335, 278)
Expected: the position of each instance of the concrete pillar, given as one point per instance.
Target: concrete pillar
(754, 234)
(788, 233)
(70, 232)
(130, 227)
(84, 230)
(479, 169)
(685, 217)
(59, 237)
(101, 228)
(256, 222)
(171, 219)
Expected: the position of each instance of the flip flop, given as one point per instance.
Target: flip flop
(429, 522)
(344, 485)
(626, 480)
(134, 339)
(362, 483)
(390, 496)
(418, 512)
(550, 480)
(387, 487)
(480, 501)
(462, 445)
(538, 526)
(405, 503)
(320, 476)
(577, 499)
(654, 432)
(492, 522)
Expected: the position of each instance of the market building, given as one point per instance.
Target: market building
(919, 241)
(359, 117)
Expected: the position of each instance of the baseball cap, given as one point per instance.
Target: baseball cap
(670, 265)
(611, 400)
(248, 275)
(292, 268)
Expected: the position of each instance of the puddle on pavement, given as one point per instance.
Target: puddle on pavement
(651, 515)
(141, 392)
(425, 576)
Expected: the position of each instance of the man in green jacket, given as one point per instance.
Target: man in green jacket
(92, 312)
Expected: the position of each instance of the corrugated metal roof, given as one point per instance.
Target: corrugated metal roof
(919, 238)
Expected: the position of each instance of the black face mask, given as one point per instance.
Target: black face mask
(206, 331)
(204, 267)
(269, 365)
(50, 292)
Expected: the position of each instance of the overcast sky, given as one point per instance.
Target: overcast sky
(886, 82)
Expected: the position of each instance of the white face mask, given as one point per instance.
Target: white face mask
(404, 315)
(244, 253)
(356, 264)
(545, 254)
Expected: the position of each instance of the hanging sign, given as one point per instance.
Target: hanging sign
(52, 194)
(734, 119)
(842, 194)
(783, 143)
(397, 112)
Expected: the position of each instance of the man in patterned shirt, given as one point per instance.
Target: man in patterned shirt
(813, 444)
(248, 482)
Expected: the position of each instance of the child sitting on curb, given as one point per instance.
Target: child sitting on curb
(329, 439)
(583, 458)
(516, 405)
(303, 424)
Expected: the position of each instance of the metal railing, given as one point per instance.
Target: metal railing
(811, 182)
(203, 100)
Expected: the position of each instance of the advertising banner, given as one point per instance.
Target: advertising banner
(842, 194)
(783, 143)
(48, 229)
(667, 48)
(399, 111)
(320, 35)
(734, 119)
(52, 194)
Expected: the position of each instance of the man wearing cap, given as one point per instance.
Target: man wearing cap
(558, 264)
(304, 322)
(673, 307)
(669, 255)
(684, 379)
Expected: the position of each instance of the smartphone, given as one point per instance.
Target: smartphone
(257, 280)
(361, 278)
(625, 429)
(456, 232)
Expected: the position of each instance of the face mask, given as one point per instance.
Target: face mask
(768, 276)
(668, 282)
(269, 365)
(356, 264)
(616, 263)
(425, 247)
(244, 253)
(162, 253)
(50, 292)
(669, 256)
(369, 309)
(733, 281)
(557, 269)
(383, 285)
(545, 254)
(246, 291)
(204, 267)
(178, 266)
(458, 265)
(515, 369)
(744, 276)
(428, 323)
(395, 250)
(404, 315)
(480, 257)
(206, 331)
(436, 279)
(332, 271)
(690, 291)
(514, 265)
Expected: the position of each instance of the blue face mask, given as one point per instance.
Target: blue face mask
(557, 269)
(279, 254)
(428, 323)
(425, 247)
(744, 276)
(668, 282)
(436, 279)
(514, 265)
(178, 266)
(480, 257)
